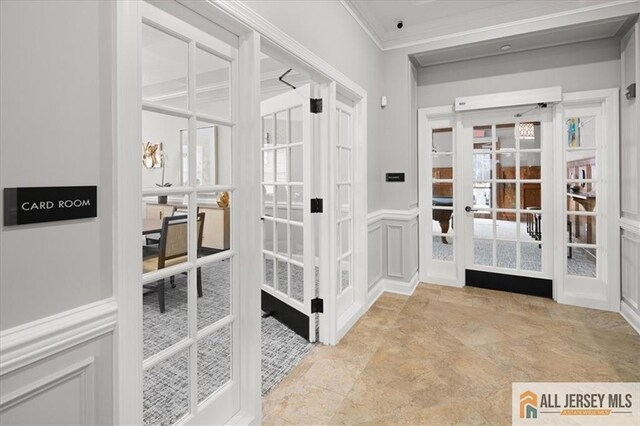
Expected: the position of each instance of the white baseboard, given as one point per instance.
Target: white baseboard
(375, 293)
(31, 342)
(631, 316)
(386, 285)
(401, 287)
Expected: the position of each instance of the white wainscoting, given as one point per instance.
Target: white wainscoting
(630, 180)
(630, 273)
(393, 252)
(54, 370)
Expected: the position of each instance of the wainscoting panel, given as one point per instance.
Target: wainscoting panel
(375, 254)
(65, 397)
(630, 258)
(59, 370)
(395, 252)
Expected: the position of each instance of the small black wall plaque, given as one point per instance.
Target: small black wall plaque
(394, 177)
(49, 204)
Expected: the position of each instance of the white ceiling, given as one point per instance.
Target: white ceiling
(429, 19)
(536, 40)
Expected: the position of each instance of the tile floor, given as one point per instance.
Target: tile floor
(449, 356)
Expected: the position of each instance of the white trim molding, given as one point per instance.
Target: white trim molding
(579, 16)
(31, 342)
(82, 370)
(631, 316)
(400, 215)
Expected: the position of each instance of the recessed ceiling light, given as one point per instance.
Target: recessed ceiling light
(505, 47)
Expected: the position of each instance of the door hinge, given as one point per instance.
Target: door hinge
(316, 205)
(317, 305)
(316, 105)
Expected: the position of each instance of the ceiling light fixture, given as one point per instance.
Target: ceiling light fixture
(505, 47)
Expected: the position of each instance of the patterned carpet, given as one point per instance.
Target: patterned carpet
(581, 263)
(165, 385)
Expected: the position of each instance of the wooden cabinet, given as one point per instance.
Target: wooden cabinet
(215, 234)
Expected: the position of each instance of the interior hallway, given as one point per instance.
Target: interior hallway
(447, 355)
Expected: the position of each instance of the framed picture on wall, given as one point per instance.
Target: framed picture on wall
(206, 156)
(573, 132)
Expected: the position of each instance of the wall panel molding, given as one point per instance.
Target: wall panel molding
(83, 371)
(395, 267)
(31, 342)
(375, 249)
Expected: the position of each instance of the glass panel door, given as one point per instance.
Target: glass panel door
(288, 248)
(190, 269)
(344, 208)
(504, 198)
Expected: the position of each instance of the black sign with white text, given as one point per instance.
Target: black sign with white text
(49, 204)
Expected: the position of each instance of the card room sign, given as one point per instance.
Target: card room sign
(49, 204)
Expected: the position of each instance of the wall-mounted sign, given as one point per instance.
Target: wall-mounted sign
(49, 204)
(394, 177)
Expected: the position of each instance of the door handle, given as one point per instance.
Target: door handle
(469, 209)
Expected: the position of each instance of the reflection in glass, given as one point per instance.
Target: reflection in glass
(442, 140)
(506, 195)
(296, 124)
(506, 252)
(161, 149)
(482, 137)
(581, 262)
(531, 195)
(163, 61)
(345, 273)
(441, 250)
(483, 252)
(442, 167)
(482, 224)
(531, 257)
(506, 136)
(214, 302)
(297, 282)
(506, 165)
(212, 84)
(526, 141)
(214, 362)
(442, 221)
(482, 167)
(581, 229)
(530, 163)
(166, 390)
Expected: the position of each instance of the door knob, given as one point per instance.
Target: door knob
(469, 209)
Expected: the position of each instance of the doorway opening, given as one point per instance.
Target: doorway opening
(289, 178)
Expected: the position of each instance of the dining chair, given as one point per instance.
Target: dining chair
(173, 250)
(158, 211)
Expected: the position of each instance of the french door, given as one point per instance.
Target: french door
(289, 267)
(507, 199)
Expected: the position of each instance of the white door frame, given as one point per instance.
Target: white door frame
(282, 47)
(607, 295)
(602, 292)
(127, 211)
(252, 30)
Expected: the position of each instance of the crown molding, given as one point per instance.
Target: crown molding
(251, 19)
(347, 4)
(555, 20)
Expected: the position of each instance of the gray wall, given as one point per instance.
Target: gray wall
(580, 66)
(55, 130)
(575, 67)
(329, 31)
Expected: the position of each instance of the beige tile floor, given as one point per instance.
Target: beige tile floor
(449, 356)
